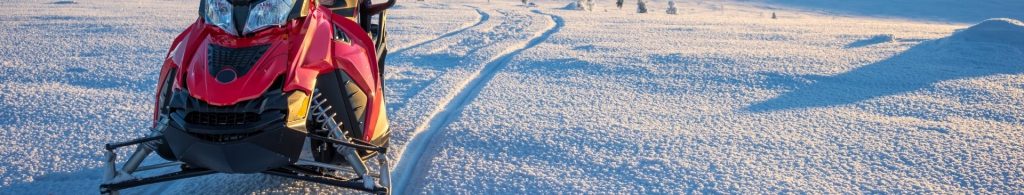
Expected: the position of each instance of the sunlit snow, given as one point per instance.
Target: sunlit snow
(494, 97)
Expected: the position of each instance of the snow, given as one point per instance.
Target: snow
(947, 11)
(572, 6)
(495, 98)
(583, 5)
(996, 31)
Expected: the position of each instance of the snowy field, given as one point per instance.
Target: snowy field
(833, 96)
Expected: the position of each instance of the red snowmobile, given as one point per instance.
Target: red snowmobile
(290, 88)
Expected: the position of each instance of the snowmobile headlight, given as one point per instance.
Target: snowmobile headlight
(218, 13)
(265, 14)
(269, 13)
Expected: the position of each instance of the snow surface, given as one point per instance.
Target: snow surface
(956, 11)
(495, 97)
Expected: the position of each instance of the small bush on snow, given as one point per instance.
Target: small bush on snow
(641, 7)
(671, 7)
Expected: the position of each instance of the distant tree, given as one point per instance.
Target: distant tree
(526, 2)
(671, 7)
(577, 5)
(618, 3)
(641, 7)
(585, 5)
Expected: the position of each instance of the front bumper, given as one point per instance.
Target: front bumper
(249, 137)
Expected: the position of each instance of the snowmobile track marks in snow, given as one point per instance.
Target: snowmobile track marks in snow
(483, 17)
(452, 105)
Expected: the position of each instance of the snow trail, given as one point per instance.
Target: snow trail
(452, 105)
(483, 17)
(402, 59)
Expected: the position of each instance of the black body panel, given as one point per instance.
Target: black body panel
(349, 103)
(248, 137)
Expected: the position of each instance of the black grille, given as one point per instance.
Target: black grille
(221, 119)
(228, 123)
(239, 59)
(224, 137)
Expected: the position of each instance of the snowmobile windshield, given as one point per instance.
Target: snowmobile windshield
(243, 17)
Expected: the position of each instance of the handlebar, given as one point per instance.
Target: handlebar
(380, 7)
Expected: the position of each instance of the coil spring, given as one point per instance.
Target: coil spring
(322, 115)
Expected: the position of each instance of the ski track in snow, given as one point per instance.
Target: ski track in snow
(451, 107)
(483, 17)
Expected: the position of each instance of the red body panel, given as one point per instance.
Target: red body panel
(299, 51)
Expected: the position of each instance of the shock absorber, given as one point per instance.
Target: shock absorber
(323, 114)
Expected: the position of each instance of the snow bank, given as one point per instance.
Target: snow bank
(584, 5)
(64, 2)
(876, 39)
(571, 6)
(996, 30)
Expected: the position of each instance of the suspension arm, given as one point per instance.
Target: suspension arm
(357, 145)
(328, 181)
(116, 145)
(107, 188)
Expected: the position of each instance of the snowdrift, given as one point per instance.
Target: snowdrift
(997, 31)
(571, 6)
(582, 5)
(997, 41)
(992, 47)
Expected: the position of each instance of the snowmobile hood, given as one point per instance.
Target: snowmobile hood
(223, 73)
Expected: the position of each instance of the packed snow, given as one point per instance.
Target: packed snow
(493, 97)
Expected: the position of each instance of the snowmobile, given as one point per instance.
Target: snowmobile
(289, 88)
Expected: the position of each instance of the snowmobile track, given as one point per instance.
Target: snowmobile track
(483, 17)
(453, 105)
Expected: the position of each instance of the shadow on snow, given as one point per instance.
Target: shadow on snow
(916, 68)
